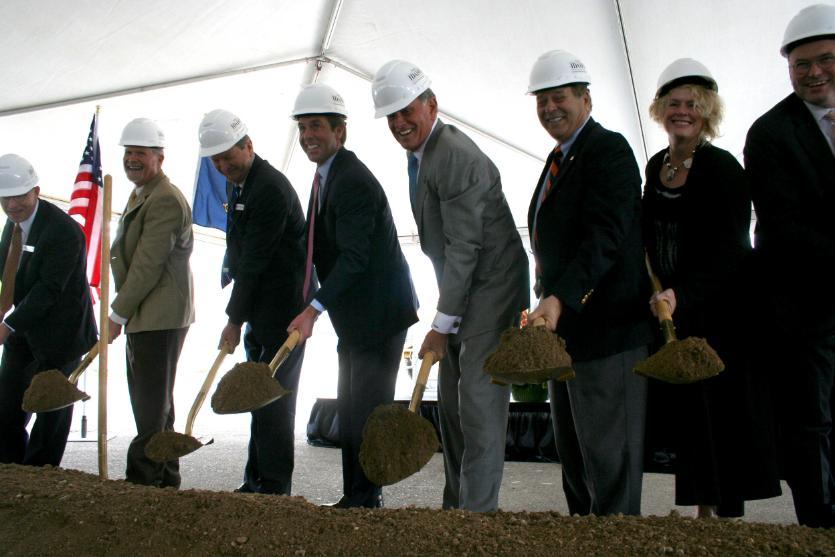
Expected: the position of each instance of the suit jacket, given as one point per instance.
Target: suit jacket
(588, 246)
(467, 230)
(150, 260)
(265, 246)
(791, 172)
(366, 284)
(53, 313)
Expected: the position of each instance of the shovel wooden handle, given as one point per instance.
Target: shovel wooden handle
(204, 389)
(422, 378)
(284, 352)
(662, 308)
(88, 359)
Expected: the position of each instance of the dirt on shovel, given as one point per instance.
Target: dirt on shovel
(682, 361)
(397, 442)
(530, 355)
(251, 385)
(51, 390)
(170, 445)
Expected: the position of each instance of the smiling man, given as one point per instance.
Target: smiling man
(265, 259)
(154, 294)
(790, 160)
(366, 287)
(467, 231)
(584, 222)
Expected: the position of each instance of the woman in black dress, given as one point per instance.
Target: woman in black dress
(697, 215)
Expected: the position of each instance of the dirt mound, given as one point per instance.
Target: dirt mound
(52, 512)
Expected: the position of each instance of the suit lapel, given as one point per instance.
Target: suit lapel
(31, 243)
(425, 163)
(810, 138)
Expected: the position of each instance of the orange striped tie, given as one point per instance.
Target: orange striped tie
(553, 170)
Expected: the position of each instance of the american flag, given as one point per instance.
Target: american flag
(86, 204)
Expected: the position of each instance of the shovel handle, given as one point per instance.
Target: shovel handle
(88, 359)
(422, 378)
(204, 389)
(538, 322)
(284, 351)
(662, 308)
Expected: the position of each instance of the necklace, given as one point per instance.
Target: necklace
(671, 170)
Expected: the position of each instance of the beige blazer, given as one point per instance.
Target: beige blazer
(149, 260)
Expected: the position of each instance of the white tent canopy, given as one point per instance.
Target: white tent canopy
(174, 61)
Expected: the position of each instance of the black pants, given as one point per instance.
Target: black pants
(151, 367)
(269, 467)
(367, 377)
(48, 440)
(805, 395)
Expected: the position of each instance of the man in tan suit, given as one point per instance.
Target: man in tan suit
(154, 294)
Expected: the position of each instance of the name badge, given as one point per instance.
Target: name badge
(239, 206)
(30, 249)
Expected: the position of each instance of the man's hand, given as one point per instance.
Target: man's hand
(436, 342)
(231, 335)
(304, 322)
(549, 309)
(668, 296)
(113, 331)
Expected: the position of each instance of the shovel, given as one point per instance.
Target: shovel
(397, 442)
(531, 355)
(250, 385)
(50, 390)
(170, 445)
(678, 361)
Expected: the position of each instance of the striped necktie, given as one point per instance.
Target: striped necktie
(831, 117)
(553, 170)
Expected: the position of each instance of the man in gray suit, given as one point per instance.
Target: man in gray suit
(468, 233)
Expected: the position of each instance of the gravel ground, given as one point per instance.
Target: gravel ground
(52, 512)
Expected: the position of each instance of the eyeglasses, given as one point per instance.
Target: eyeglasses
(824, 62)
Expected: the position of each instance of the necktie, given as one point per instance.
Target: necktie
(311, 224)
(10, 270)
(132, 200)
(225, 275)
(831, 117)
(553, 170)
(553, 162)
(413, 174)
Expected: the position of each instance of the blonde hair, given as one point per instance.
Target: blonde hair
(708, 104)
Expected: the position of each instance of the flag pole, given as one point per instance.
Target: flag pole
(104, 324)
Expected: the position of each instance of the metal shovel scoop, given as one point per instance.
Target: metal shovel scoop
(678, 361)
(169, 445)
(531, 355)
(51, 390)
(251, 385)
(397, 442)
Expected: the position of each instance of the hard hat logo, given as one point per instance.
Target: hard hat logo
(415, 74)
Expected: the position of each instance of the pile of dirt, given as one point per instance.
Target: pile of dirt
(52, 512)
(170, 445)
(50, 390)
(396, 443)
(244, 387)
(529, 355)
(682, 361)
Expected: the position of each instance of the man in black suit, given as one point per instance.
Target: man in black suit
(265, 259)
(366, 285)
(585, 227)
(52, 324)
(790, 160)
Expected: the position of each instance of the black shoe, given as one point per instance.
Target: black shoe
(243, 488)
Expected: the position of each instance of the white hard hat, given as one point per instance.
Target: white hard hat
(319, 98)
(810, 23)
(142, 132)
(684, 71)
(219, 131)
(555, 69)
(396, 85)
(17, 175)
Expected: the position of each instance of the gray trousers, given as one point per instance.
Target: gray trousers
(599, 418)
(473, 420)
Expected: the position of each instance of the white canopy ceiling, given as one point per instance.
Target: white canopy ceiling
(174, 61)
